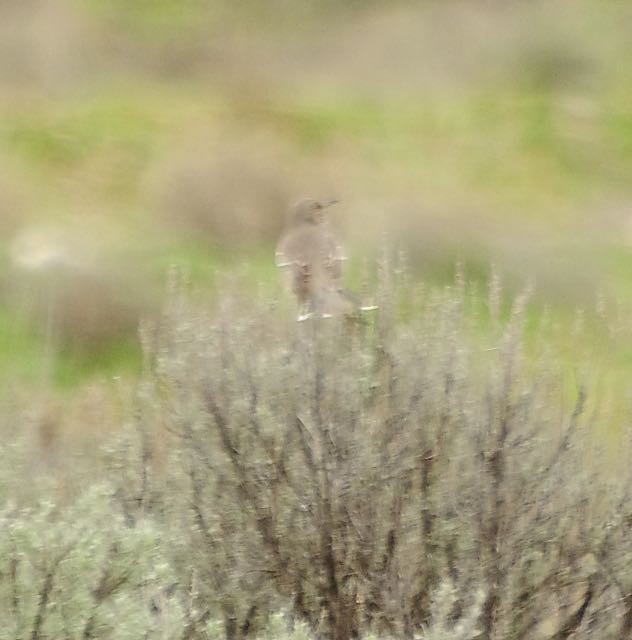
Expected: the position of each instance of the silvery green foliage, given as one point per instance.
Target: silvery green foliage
(79, 571)
(380, 478)
(341, 469)
(443, 624)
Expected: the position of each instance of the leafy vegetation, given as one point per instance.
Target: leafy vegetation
(453, 467)
(374, 478)
(181, 129)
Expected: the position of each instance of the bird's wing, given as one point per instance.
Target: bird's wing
(281, 260)
(333, 255)
(313, 251)
(298, 247)
(282, 255)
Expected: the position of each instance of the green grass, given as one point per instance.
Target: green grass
(151, 19)
(106, 142)
(516, 148)
(528, 148)
(506, 146)
(21, 350)
(27, 358)
(119, 359)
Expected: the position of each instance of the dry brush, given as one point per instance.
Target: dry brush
(387, 476)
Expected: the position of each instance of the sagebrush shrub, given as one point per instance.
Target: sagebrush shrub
(405, 474)
(342, 469)
(80, 572)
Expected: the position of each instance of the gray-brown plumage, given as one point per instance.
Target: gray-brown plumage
(312, 260)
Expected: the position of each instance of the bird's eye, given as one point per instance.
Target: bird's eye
(315, 206)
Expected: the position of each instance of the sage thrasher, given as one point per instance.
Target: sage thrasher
(312, 258)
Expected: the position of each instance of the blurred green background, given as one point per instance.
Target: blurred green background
(135, 135)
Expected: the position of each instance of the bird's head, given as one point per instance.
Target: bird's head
(310, 211)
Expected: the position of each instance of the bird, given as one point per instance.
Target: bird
(312, 259)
